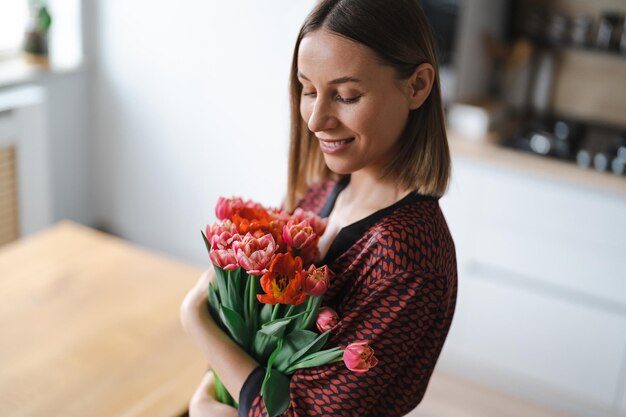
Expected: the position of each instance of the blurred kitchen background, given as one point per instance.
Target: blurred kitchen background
(132, 117)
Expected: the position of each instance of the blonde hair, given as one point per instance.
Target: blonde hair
(399, 33)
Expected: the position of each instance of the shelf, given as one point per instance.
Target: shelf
(534, 165)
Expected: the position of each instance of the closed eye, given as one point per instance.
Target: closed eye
(347, 100)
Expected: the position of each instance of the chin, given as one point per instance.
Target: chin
(340, 168)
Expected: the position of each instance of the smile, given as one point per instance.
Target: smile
(334, 146)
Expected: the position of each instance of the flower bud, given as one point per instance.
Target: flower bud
(316, 280)
(327, 319)
(359, 357)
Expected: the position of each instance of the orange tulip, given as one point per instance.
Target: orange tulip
(283, 281)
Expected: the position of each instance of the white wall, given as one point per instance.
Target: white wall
(190, 103)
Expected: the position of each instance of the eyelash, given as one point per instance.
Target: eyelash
(338, 98)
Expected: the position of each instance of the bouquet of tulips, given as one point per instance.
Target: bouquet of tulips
(267, 295)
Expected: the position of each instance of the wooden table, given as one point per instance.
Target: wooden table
(89, 326)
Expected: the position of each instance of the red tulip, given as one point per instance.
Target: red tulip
(359, 357)
(327, 319)
(316, 280)
(282, 282)
(254, 254)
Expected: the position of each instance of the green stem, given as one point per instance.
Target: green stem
(252, 300)
(309, 305)
(275, 312)
(290, 310)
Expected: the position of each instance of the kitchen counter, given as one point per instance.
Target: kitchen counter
(490, 152)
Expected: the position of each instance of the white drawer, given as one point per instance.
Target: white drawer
(568, 349)
(546, 232)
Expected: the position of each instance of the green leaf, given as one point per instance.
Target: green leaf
(235, 325)
(214, 302)
(233, 283)
(312, 315)
(267, 338)
(221, 277)
(266, 313)
(221, 393)
(317, 359)
(275, 388)
(276, 393)
(294, 341)
(312, 347)
(206, 242)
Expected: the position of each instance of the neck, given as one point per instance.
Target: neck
(367, 190)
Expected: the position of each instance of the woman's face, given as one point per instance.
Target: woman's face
(355, 106)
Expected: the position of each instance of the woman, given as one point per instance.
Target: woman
(369, 151)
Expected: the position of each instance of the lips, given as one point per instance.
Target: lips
(335, 143)
(333, 146)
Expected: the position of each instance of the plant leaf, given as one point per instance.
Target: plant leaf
(233, 284)
(275, 388)
(276, 393)
(294, 341)
(214, 303)
(221, 277)
(267, 338)
(206, 242)
(266, 314)
(235, 325)
(312, 347)
(317, 359)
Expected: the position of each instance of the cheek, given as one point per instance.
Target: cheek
(305, 111)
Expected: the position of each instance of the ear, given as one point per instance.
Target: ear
(420, 84)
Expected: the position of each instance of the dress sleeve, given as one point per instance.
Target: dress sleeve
(395, 314)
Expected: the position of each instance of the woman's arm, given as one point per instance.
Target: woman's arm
(204, 404)
(232, 364)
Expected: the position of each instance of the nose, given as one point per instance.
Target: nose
(321, 116)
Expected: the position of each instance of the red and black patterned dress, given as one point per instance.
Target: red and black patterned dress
(395, 286)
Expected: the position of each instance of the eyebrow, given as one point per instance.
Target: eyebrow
(340, 80)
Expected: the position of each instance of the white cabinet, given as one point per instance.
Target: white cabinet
(542, 288)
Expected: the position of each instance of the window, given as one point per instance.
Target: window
(65, 43)
(13, 20)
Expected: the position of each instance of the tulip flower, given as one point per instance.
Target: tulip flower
(299, 235)
(225, 207)
(327, 319)
(316, 280)
(254, 254)
(317, 223)
(359, 357)
(222, 253)
(218, 228)
(282, 282)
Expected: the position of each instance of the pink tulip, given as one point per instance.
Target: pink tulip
(219, 227)
(298, 235)
(222, 253)
(316, 280)
(224, 259)
(359, 357)
(254, 254)
(317, 223)
(327, 319)
(225, 207)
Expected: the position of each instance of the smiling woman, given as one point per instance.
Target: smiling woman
(368, 152)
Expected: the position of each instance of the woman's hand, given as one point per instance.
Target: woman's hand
(204, 404)
(195, 301)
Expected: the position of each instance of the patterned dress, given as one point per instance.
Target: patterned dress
(395, 286)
